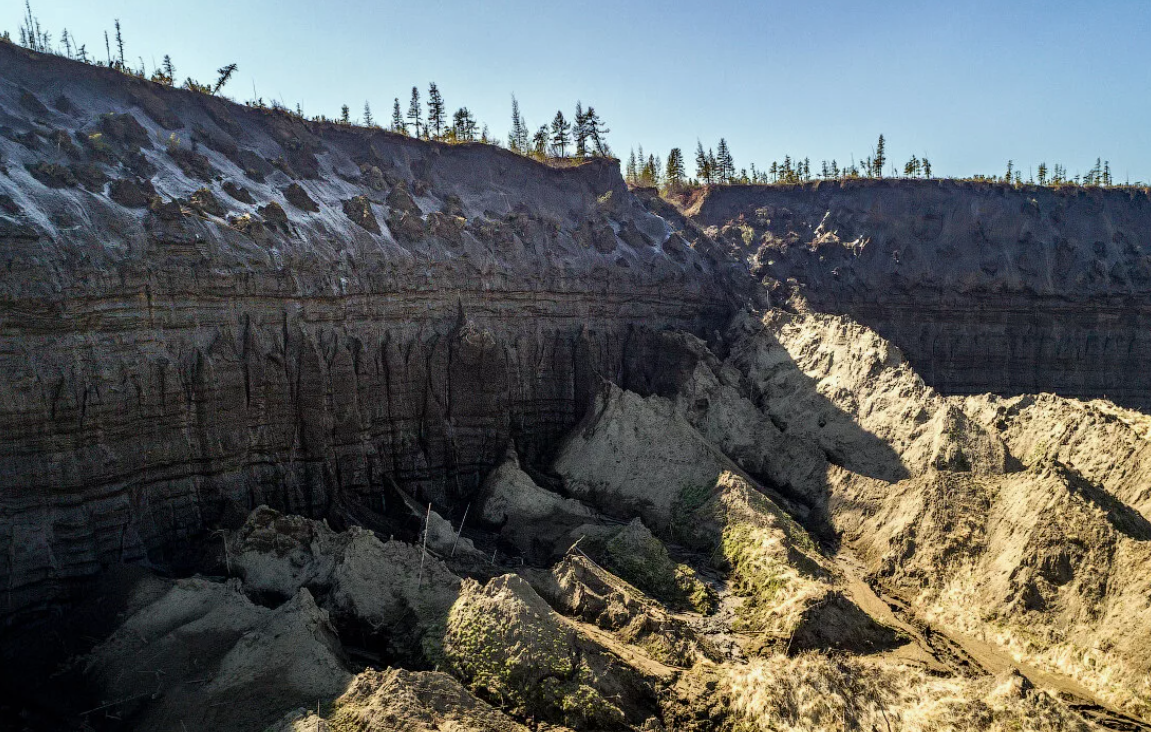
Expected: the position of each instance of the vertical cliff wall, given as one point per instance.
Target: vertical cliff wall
(205, 307)
(985, 287)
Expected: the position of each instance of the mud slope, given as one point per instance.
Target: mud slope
(206, 307)
(986, 288)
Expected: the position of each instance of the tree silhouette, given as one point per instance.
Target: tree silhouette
(518, 137)
(880, 157)
(225, 76)
(674, 173)
(561, 133)
(368, 121)
(398, 119)
(596, 132)
(435, 111)
(414, 113)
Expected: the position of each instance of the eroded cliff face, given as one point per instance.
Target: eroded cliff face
(986, 288)
(206, 307)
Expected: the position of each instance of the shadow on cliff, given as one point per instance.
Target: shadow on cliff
(800, 433)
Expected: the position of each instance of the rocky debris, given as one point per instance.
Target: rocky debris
(640, 558)
(193, 164)
(124, 130)
(506, 643)
(385, 586)
(398, 700)
(32, 103)
(61, 142)
(52, 175)
(90, 176)
(205, 657)
(298, 197)
(131, 193)
(359, 210)
(238, 192)
(275, 216)
(401, 201)
(205, 202)
(537, 521)
(446, 227)
(405, 227)
(578, 587)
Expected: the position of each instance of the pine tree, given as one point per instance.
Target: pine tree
(225, 75)
(345, 115)
(120, 44)
(414, 113)
(518, 137)
(632, 174)
(436, 111)
(579, 131)
(926, 168)
(1043, 174)
(561, 133)
(398, 119)
(674, 173)
(464, 125)
(702, 170)
(540, 142)
(880, 157)
(368, 120)
(1010, 171)
(596, 132)
(724, 164)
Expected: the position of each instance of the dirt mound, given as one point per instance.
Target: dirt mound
(1105, 443)
(397, 700)
(385, 586)
(535, 519)
(203, 656)
(577, 586)
(509, 646)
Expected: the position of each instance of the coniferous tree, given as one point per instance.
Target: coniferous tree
(225, 75)
(368, 120)
(1042, 174)
(673, 175)
(518, 137)
(464, 125)
(540, 142)
(702, 169)
(414, 112)
(632, 174)
(1010, 171)
(579, 131)
(345, 115)
(926, 168)
(880, 157)
(561, 133)
(436, 111)
(596, 132)
(398, 124)
(725, 165)
(67, 43)
(120, 44)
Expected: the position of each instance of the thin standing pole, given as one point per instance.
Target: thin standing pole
(461, 531)
(424, 551)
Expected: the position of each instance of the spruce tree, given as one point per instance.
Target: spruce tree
(120, 44)
(345, 115)
(673, 175)
(436, 111)
(414, 113)
(596, 132)
(398, 119)
(368, 121)
(926, 168)
(880, 157)
(540, 142)
(724, 164)
(632, 174)
(702, 163)
(464, 125)
(518, 137)
(561, 133)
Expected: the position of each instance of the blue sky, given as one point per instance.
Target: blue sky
(968, 83)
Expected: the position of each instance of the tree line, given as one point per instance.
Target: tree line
(583, 136)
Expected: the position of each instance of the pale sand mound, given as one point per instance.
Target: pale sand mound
(532, 518)
(1105, 443)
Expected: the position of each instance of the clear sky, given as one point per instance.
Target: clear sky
(968, 83)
